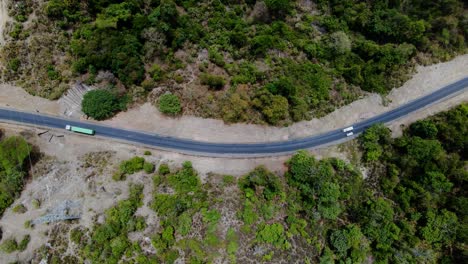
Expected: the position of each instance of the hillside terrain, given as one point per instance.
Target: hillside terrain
(266, 62)
(395, 200)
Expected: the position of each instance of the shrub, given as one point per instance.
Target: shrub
(148, 84)
(13, 153)
(148, 167)
(132, 165)
(170, 104)
(185, 180)
(9, 245)
(28, 224)
(216, 57)
(164, 169)
(118, 176)
(14, 64)
(213, 81)
(100, 104)
(24, 243)
(156, 73)
(279, 7)
(273, 107)
(76, 234)
(273, 234)
(20, 208)
(36, 203)
(147, 153)
(228, 180)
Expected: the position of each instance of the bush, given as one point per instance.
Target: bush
(132, 165)
(24, 243)
(156, 73)
(100, 104)
(170, 104)
(164, 169)
(279, 7)
(147, 153)
(76, 234)
(13, 153)
(20, 208)
(36, 204)
(9, 245)
(14, 64)
(273, 107)
(28, 224)
(148, 167)
(213, 81)
(216, 57)
(273, 234)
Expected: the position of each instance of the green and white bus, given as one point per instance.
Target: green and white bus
(80, 130)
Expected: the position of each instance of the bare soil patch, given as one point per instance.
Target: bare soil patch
(3, 19)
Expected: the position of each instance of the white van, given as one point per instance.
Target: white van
(348, 129)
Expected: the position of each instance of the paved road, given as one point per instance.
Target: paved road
(216, 149)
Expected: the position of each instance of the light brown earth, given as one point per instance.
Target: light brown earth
(147, 118)
(3, 19)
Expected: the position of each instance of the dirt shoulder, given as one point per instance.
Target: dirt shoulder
(147, 118)
(3, 19)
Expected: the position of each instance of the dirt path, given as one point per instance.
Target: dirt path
(147, 118)
(3, 19)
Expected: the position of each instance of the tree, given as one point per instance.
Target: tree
(213, 81)
(279, 7)
(112, 15)
(424, 150)
(373, 141)
(169, 104)
(339, 43)
(424, 129)
(273, 107)
(100, 104)
(328, 200)
(441, 228)
(273, 234)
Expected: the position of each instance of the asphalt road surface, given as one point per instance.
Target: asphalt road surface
(219, 149)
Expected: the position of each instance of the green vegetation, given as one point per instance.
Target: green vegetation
(101, 104)
(411, 207)
(308, 59)
(20, 209)
(24, 243)
(213, 81)
(169, 104)
(108, 242)
(14, 160)
(131, 166)
(10, 245)
(148, 167)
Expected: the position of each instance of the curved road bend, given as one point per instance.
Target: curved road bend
(242, 149)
